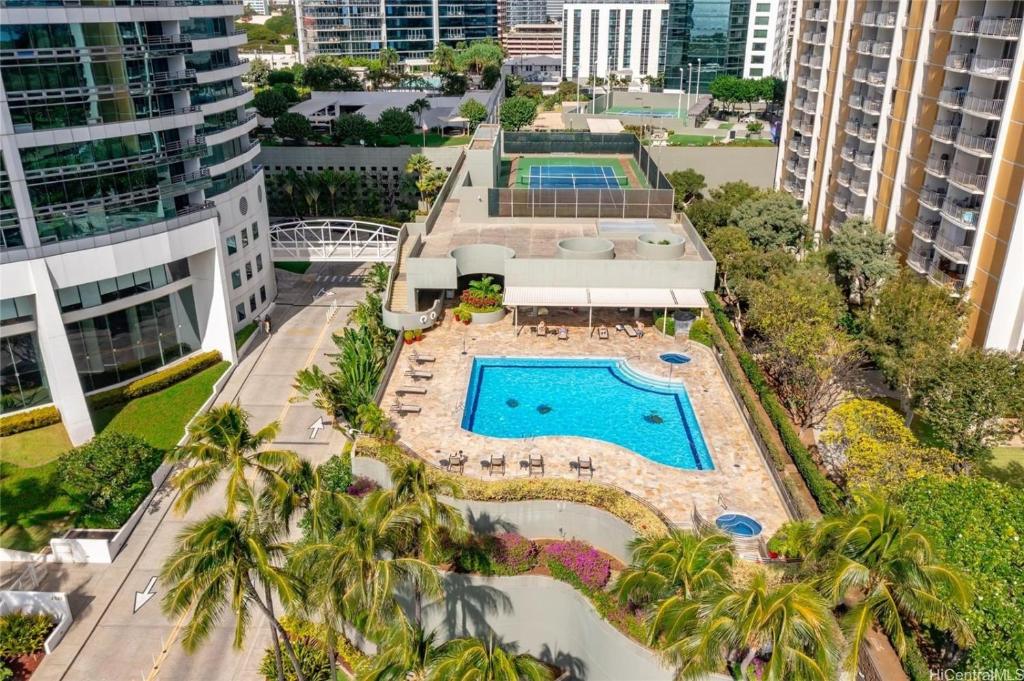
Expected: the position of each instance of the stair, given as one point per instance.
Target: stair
(399, 300)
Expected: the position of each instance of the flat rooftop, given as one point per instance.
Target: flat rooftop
(442, 110)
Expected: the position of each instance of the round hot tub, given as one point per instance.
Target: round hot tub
(738, 525)
(675, 358)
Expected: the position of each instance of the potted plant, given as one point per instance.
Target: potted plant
(409, 337)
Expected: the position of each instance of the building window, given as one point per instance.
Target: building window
(121, 345)
(252, 303)
(760, 33)
(232, 244)
(263, 294)
(259, 262)
(16, 310)
(759, 47)
(248, 271)
(756, 73)
(764, 7)
(645, 40)
(757, 59)
(22, 378)
(255, 231)
(108, 290)
(236, 279)
(761, 21)
(627, 41)
(245, 237)
(240, 312)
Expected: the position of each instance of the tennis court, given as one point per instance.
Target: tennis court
(576, 173)
(647, 113)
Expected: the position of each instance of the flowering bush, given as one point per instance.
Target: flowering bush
(480, 301)
(514, 552)
(361, 487)
(583, 560)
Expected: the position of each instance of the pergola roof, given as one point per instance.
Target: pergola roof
(604, 125)
(570, 296)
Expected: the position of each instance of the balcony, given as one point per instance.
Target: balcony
(925, 230)
(877, 78)
(959, 62)
(952, 281)
(863, 160)
(854, 211)
(956, 252)
(874, 48)
(814, 37)
(840, 202)
(187, 183)
(804, 150)
(816, 15)
(168, 44)
(1008, 29)
(861, 74)
(944, 132)
(843, 178)
(937, 166)
(952, 99)
(961, 213)
(810, 84)
(795, 188)
(918, 260)
(859, 187)
(989, 67)
(873, 105)
(809, 60)
(930, 198)
(852, 127)
(975, 144)
(800, 170)
(856, 101)
(970, 182)
(985, 108)
(848, 153)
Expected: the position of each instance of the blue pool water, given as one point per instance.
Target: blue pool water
(594, 398)
(738, 524)
(674, 358)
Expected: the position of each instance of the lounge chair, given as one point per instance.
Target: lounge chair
(410, 390)
(536, 465)
(416, 374)
(584, 466)
(639, 328)
(420, 359)
(400, 408)
(563, 333)
(541, 330)
(630, 331)
(602, 332)
(497, 462)
(456, 462)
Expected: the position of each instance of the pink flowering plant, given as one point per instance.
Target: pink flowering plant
(584, 561)
(514, 553)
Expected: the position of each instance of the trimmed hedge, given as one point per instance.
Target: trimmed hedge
(618, 503)
(29, 420)
(157, 381)
(824, 490)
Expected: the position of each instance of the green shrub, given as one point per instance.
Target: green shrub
(667, 325)
(313, 661)
(29, 420)
(824, 491)
(24, 634)
(605, 603)
(108, 477)
(336, 473)
(156, 381)
(475, 555)
(6, 672)
(700, 331)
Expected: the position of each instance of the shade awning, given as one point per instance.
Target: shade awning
(571, 296)
(604, 125)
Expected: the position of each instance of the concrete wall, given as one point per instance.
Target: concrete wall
(352, 157)
(719, 165)
(53, 603)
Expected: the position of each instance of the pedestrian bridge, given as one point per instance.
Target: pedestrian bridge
(334, 240)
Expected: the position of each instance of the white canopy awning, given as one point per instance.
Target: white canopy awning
(571, 296)
(604, 125)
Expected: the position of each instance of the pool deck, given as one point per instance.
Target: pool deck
(740, 479)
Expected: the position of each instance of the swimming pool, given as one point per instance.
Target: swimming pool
(603, 399)
(738, 524)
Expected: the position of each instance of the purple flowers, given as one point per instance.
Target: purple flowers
(586, 562)
(361, 486)
(515, 552)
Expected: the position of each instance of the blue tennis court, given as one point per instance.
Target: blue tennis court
(646, 113)
(573, 177)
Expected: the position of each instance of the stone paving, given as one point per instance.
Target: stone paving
(740, 480)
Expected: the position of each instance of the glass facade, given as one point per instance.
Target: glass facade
(16, 310)
(613, 39)
(108, 290)
(22, 378)
(714, 31)
(121, 345)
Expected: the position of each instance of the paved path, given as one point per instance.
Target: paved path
(107, 641)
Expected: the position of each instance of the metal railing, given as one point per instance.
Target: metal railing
(989, 67)
(918, 261)
(931, 198)
(999, 28)
(943, 278)
(957, 252)
(944, 132)
(958, 61)
(976, 144)
(983, 106)
(974, 182)
(925, 230)
(953, 99)
(937, 165)
(963, 214)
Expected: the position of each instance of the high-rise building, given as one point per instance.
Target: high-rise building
(911, 115)
(711, 33)
(766, 30)
(600, 37)
(413, 28)
(134, 226)
(512, 13)
(533, 39)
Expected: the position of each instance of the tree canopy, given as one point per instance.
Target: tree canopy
(396, 122)
(862, 258)
(688, 185)
(270, 103)
(474, 112)
(518, 112)
(292, 126)
(774, 220)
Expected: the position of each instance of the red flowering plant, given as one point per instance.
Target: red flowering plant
(588, 564)
(514, 553)
(482, 295)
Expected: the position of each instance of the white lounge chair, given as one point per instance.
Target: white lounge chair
(563, 333)
(630, 331)
(400, 408)
(410, 390)
(420, 359)
(416, 374)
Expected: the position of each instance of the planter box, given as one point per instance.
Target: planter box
(488, 317)
(586, 248)
(652, 246)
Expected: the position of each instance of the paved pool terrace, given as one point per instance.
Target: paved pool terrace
(739, 480)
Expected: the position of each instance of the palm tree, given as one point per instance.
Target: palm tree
(485, 286)
(410, 484)
(431, 183)
(376, 278)
(471, 658)
(442, 60)
(679, 566)
(371, 420)
(311, 190)
(791, 624)
(419, 164)
(223, 562)
(406, 653)
(417, 107)
(360, 566)
(220, 441)
(290, 184)
(389, 60)
(889, 569)
(332, 182)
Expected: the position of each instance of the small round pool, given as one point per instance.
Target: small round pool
(738, 524)
(675, 358)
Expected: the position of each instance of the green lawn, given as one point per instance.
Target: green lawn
(34, 447)
(243, 334)
(1007, 466)
(725, 126)
(436, 140)
(678, 140)
(293, 266)
(34, 509)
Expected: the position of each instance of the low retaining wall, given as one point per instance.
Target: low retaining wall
(53, 603)
(540, 519)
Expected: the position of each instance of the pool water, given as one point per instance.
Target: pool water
(593, 398)
(738, 524)
(674, 358)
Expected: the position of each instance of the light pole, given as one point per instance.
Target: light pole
(689, 85)
(698, 78)
(679, 107)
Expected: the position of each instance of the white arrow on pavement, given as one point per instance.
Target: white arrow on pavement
(317, 426)
(142, 597)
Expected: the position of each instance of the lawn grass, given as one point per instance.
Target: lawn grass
(293, 266)
(1006, 466)
(160, 418)
(725, 126)
(33, 508)
(243, 334)
(678, 140)
(34, 447)
(435, 140)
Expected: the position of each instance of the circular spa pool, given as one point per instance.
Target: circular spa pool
(738, 524)
(675, 358)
